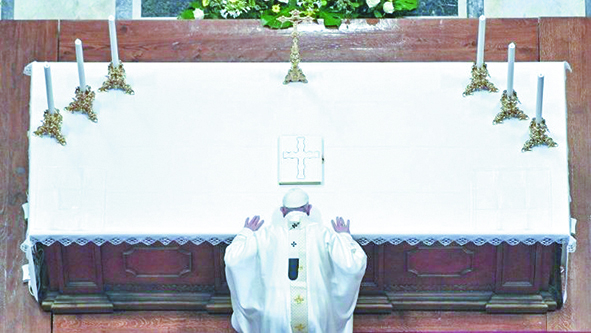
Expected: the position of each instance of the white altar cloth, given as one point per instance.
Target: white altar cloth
(194, 152)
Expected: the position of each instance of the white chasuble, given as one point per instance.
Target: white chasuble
(294, 275)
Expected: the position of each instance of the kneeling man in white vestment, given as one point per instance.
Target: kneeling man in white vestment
(295, 275)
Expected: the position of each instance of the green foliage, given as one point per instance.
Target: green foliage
(187, 14)
(400, 5)
(332, 12)
(330, 19)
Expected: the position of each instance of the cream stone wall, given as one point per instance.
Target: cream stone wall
(533, 8)
(63, 9)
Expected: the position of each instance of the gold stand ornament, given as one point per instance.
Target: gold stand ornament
(509, 108)
(52, 126)
(83, 103)
(537, 136)
(295, 73)
(116, 80)
(479, 81)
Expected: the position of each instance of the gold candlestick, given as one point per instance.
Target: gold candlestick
(509, 108)
(537, 136)
(479, 81)
(83, 103)
(52, 126)
(295, 73)
(116, 80)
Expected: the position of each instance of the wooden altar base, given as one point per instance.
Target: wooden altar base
(547, 39)
(495, 279)
(367, 304)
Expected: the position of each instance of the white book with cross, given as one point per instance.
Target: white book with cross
(300, 159)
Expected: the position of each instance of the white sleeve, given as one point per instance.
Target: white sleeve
(244, 281)
(349, 262)
(243, 247)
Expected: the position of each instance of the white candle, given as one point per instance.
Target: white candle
(510, 71)
(540, 98)
(80, 60)
(113, 36)
(49, 88)
(480, 47)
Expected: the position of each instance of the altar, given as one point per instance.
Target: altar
(135, 211)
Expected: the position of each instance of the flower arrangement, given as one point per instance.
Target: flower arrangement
(332, 12)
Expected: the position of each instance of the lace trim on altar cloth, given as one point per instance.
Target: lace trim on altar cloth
(131, 240)
(28, 70)
(479, 241)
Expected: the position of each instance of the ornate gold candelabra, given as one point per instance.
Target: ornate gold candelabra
(116, 80)
(537, 136)
(83, 103)
(52, 126)
(479, 81)
(295, 73)
(509, 108)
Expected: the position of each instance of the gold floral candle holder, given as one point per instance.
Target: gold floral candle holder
(52, 126)
(479, 81)
(509, 108)
(295, 73)
(116, 80)
(538, 136)
(83, 103)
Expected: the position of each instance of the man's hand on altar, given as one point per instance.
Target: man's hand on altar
(254, 224)
(340, 225)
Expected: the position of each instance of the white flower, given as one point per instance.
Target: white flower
(388, 7)
(284, 1)
(372, 3)
(198, 13)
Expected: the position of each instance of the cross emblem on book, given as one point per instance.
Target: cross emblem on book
(300, 159)
(301, 154)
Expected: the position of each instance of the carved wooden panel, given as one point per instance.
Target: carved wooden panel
(157, 262)
(221, 284)
(81, 269)
(453, 261)
(373, 279)
(439, 268)
(53, 262)
(519, 268)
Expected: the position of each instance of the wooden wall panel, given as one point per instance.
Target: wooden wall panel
(20, 43)
(569, 39)
(357, 40)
